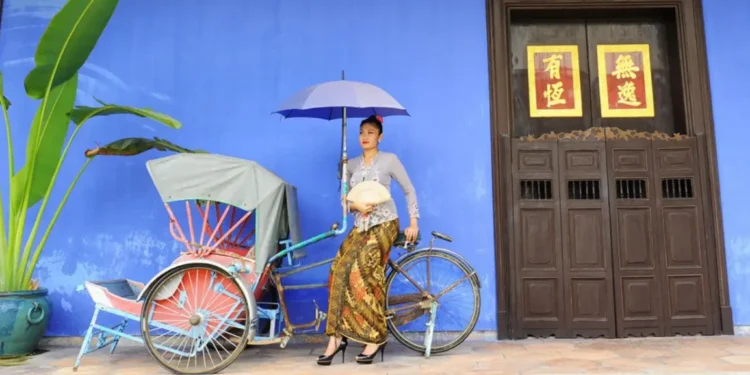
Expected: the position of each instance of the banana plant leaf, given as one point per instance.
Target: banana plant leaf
(135, 146)
(67, 43)
(62, 51)
(46, 138)
(6, 101)
(81, 113)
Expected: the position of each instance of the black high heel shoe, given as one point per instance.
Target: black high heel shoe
(325, 360)
(367, 359)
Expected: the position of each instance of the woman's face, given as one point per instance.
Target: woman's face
(369, 136)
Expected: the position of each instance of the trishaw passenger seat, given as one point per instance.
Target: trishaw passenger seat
(121, 287)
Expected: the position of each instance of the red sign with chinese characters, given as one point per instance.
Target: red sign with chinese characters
(554, 81)
(625, 86)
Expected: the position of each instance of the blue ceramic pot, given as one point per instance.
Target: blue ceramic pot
(23, 321)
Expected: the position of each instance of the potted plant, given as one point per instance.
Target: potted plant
(62, 50)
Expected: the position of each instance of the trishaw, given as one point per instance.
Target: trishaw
(225, 291)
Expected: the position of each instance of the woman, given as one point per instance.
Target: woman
(356, 302)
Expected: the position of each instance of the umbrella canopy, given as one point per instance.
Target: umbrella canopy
(327, 100)
(339, 100)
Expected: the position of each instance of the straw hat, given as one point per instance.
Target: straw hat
(369, 192)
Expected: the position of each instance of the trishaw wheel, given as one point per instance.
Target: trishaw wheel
(457, 309)
(195, 319)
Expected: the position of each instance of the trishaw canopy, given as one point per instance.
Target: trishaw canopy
(241, 183)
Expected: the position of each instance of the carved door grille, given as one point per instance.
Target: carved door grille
(536, 190)
(631, 188)
(677, 188)
(584, 190)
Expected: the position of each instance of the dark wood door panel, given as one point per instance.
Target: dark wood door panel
(639, 306)
(636, 266)
(541, 306)
(680, 216)
(586, 243)
(660, 267)
(682, 243)
(635, 238)
(538, 231)
(539, 295)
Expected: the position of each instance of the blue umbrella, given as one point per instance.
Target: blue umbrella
(328, 100)
(339, 100)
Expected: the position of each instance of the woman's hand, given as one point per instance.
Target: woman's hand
(362, 208)
(411, 232)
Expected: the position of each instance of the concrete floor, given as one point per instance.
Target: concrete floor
(680, 355)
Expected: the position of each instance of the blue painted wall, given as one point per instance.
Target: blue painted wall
(222, 69)
(727, 57)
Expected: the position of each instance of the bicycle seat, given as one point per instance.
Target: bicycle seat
(401, 240)
(441, 236)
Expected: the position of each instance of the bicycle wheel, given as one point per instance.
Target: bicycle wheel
(445, 279)
(196, 320)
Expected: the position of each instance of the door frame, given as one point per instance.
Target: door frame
(698, 116)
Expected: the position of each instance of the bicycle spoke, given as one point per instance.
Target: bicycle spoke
(450, 284)
(182, 340)
(454, 285)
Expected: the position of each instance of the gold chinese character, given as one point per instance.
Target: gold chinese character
(625, 67)
(626, 94)
(553, 66)
(554, 93)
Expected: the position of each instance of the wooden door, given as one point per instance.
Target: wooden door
(660, 269)
(607, 240)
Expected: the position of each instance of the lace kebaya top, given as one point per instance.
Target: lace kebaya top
(383, 168)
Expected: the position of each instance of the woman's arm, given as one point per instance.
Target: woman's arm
(399, 174)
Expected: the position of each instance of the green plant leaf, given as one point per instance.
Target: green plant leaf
(46, 138)
(6, 255)
(135, 146)
(67, 43)
(83, 113)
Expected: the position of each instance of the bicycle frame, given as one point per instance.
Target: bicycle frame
(421, 303)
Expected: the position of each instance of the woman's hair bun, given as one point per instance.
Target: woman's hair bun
(375, 120)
